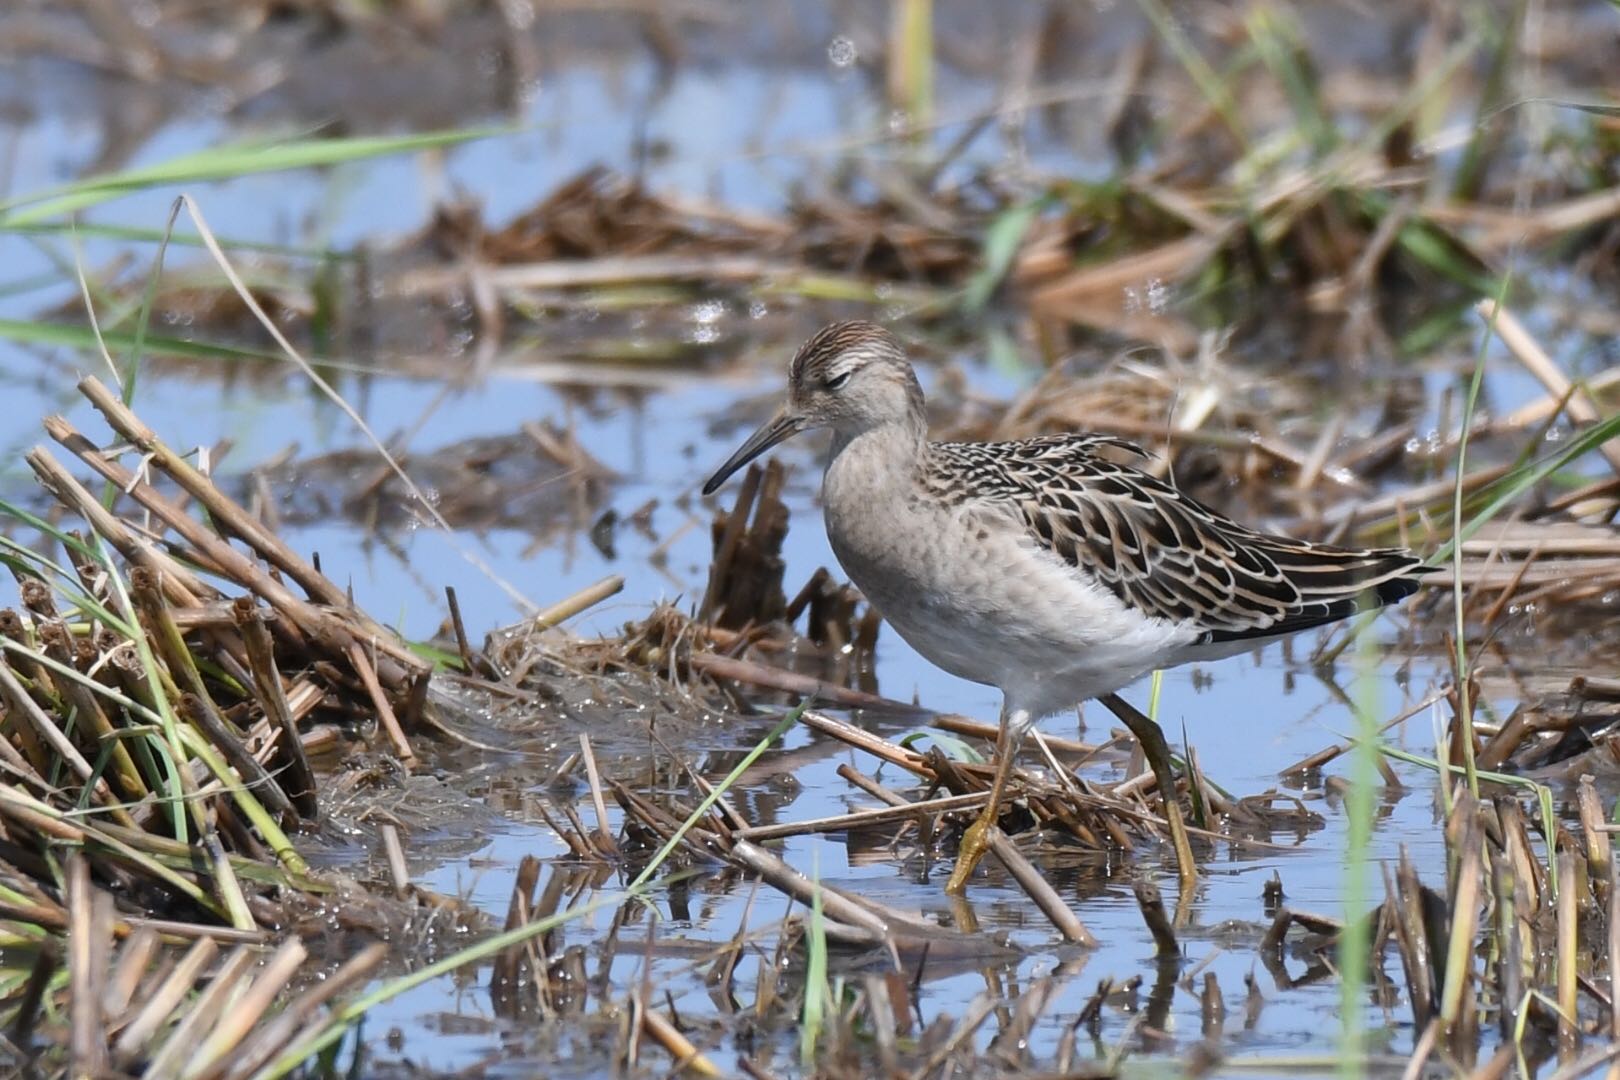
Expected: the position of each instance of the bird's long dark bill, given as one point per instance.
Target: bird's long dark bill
(779, 427)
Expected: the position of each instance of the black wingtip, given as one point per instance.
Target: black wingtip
(1395, 590)
(1321, 613)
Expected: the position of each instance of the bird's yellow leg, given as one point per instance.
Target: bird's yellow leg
(1157, 752)
(976, 841)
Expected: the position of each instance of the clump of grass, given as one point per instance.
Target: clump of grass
(153, 720)
(153, 731)
(1529, 932)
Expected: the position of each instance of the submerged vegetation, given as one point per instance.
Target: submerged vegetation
(1355, 292)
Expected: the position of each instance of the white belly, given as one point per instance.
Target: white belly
(970, 593)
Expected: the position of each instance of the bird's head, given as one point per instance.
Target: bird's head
(851, 377)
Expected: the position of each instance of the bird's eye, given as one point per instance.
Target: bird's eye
(837, 382)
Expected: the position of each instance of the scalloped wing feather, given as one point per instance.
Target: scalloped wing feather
(1161, 552)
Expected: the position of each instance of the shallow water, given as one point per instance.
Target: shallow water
(730, 129)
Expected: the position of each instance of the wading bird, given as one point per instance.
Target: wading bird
(1042, 567)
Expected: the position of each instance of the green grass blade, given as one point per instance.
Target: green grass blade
(1001, 242)
(224, 163)
(1542, 793)
(912, 76)
(1488, 137)
(954, 748)
(1465, 715)
(1211, 85)
(132, 364)
(788, 720)
(816, 995)
(63, 580)
(70, 336)
(1360, 812)
(1595, 108)
(1504, 492)
(1277, 41)
(132, 234)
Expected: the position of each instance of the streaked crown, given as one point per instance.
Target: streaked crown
(841, 348)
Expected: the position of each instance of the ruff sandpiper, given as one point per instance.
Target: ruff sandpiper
(1042, 567)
